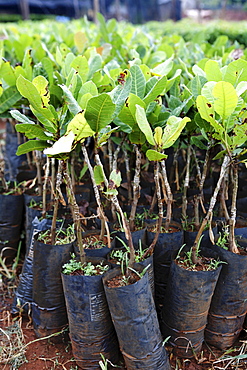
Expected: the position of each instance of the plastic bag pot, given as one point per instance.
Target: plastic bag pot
(90, 326)
(48, 308)
(185, 309)
(229, 303)
(165, 247)
(137, 236)
(11, 160)
(11, 214)
(189, 238)
(24, 293)
(135, 319)
(91, 252)
(150, 271)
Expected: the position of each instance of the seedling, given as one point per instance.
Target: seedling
(88, 268)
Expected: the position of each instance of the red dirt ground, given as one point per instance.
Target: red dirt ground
(46, 355)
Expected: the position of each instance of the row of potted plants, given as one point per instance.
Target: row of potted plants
(121, 126)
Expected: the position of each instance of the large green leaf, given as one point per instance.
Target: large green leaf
(19, 117)
(31, 145)
(120, 93)
(7, 73)
(153, 155)
(206, 110)
(128, 112)
(172, 130)
(163, 68)
(138, 81)
(48, 67)
(236, 72)
(207, 91)
(99, 112)
(226, 99)
(27, 64)
(9, 98)
(80, 64)
(212, 70)
(156, 90)
(32, 131)
(29, 91)
(144, 125)
(73, 105)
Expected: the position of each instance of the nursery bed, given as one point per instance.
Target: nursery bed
(28, 353)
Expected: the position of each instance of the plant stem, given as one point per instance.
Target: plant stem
(127, 167)
(149, 251)
(47, 170)
(169, 195)
(232, 221)
(74, 210)
(104, 225)
(56, 203)
(186, 184)
(38, 165)
(136, 188)
(206, 219)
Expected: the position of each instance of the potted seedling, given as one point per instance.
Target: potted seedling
(225, 110)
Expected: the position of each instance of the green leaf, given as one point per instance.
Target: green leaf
(212, 70)
(30, 92)
(19, 117)
(206, 110)
(99, 111)
(226, 99)
(31, 145)
(32, 131)
(48, 67)
(80, 127)
(73, 106)
(241, 88)
(9, 98)
(7, 73)
(95, 64)
(143, 124)
(163, 68)
(236, 72)
(196, 85)
(138, 81)
(153, 155)
(172, 130)
(128, 112)
(120, 93)
(98, 175)
(80, 64)
(156, 90)
(27, 64)
(207, 91)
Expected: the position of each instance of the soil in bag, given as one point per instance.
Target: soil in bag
(135, 319)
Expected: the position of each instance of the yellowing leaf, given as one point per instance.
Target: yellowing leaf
(158, 135)
(80, 41)
(62, 145)
(41, 84)
(79, 126)
(226, 99)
